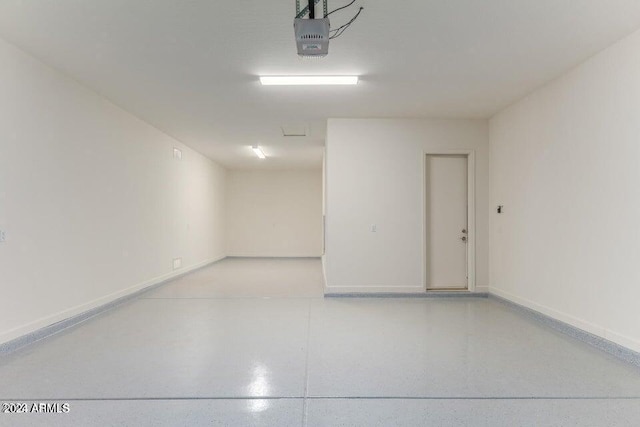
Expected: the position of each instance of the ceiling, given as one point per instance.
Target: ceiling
(190, 67)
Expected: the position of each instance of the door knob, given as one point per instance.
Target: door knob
(463, 238)
(464, 230)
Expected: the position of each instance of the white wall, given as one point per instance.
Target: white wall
(375, 175)
(92, 202)
(565, 163)
(274, 213)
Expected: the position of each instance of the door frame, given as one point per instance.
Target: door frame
(471, 214)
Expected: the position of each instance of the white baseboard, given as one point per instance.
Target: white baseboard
(387, 290)
(274, 256)
(576, 322)
(374, 289)
(106, 300)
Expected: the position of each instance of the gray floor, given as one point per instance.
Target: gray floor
(252, 342)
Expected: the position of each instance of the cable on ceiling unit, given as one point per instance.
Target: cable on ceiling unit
(340, 8)
(340, 30)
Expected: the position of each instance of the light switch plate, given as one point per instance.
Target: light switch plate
(3, 236)
(177, 153)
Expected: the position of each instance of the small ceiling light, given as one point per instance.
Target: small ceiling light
(258, 152)
(308, 80)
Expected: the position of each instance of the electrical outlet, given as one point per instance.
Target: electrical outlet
(177, 263)
(3, 236)
(374, 228)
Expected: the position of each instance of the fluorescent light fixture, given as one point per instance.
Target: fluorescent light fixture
(308, 80)
(258, 152)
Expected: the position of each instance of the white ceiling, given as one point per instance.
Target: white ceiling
(190, 67)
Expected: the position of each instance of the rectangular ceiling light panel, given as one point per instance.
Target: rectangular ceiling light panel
(258, 151)
(308, 80)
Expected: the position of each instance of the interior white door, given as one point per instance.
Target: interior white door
(447, 224)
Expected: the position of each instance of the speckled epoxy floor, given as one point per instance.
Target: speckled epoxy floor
(252, 342)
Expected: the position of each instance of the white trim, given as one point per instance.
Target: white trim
(79, 309)
(471, 214)
(324, 201)
(373, 289)
(600, 331)
(315, 255)
(324, 272)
